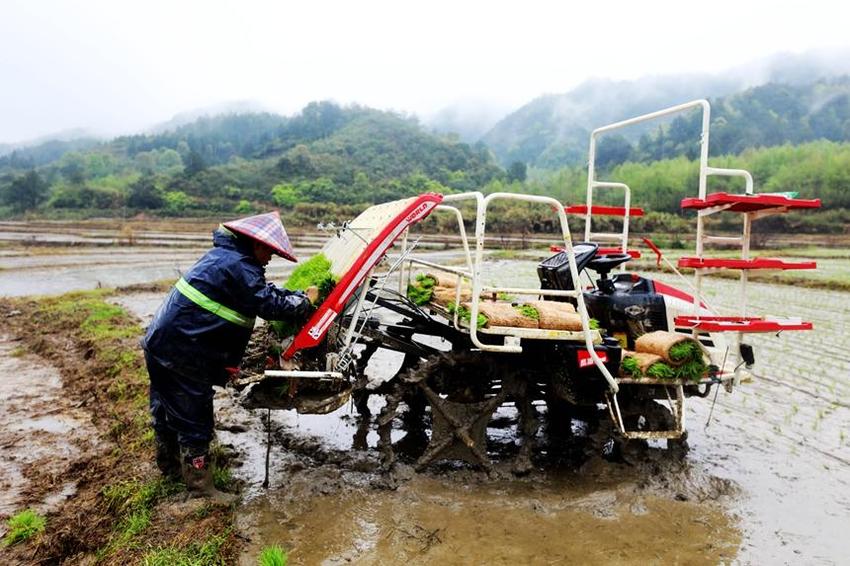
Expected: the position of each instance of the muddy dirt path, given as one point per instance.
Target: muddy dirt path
(41, 432)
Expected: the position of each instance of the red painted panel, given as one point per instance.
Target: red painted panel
(755, 263)
(748, 203)
(316, 328)
(602, 210)
(739, 324)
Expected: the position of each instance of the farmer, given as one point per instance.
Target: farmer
(198, 337)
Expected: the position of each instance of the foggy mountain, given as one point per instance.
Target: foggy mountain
(79, 138)
(223, 108)
(550, 131)
(553, 130)
(469, 119)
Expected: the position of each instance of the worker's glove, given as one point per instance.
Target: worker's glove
(233, 374)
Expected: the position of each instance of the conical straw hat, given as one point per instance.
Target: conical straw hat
(267, 229)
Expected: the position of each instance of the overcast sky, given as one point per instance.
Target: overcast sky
(116, 66)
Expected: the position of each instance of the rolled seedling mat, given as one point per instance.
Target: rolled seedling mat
(445, 279)
(642, 364)
(676, 349)
(445, 296)
(553, 315)
(503, 314)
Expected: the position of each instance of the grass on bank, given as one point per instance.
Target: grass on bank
(205, 553)
(132, 501)
(125, 524)
(273, 556)
(23, 526)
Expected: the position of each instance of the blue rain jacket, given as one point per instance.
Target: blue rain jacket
(198, 344)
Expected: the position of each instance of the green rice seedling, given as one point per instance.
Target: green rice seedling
(23, 526)
(660, 370)
(273, 556)
(425, 281)
(315, 272)
(685, 350)
(528, 311)
(419, 295)
(631, 367)
(422, 290)
(465, 315)
(692, 370)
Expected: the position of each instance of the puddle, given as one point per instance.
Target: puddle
(38, 428)
(431, 521)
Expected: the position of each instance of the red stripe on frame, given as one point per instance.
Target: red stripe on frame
(673, 292)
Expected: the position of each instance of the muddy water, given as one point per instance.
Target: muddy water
(785, 437)
(781, 440)
(51, 258)
(552, 520)
(58, 272)
(39, 431)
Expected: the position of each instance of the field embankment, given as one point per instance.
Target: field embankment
(110, 503)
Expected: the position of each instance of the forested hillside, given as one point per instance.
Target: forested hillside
(553, 131)
(329, 161)
(245, 162)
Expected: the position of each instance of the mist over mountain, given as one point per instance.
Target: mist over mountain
(548, 132)
(553, 130)
(76, 138)
(794, 68)
(223, 108)
(468, 119)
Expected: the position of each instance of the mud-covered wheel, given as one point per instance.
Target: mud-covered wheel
(679, 447)
(606, 441)
(457, 389)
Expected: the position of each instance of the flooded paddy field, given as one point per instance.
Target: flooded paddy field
(767, 479)
(49, 259)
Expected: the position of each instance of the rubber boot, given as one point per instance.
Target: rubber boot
(168, 456)
(198, 476)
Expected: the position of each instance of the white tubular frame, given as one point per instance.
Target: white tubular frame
(624, 237)
(704, 172)
(512, 343)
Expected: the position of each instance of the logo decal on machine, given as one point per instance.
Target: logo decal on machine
(584, 359)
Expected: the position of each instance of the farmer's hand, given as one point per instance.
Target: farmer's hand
(313, 294)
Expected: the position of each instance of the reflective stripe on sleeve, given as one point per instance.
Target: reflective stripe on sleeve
(214, 307)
